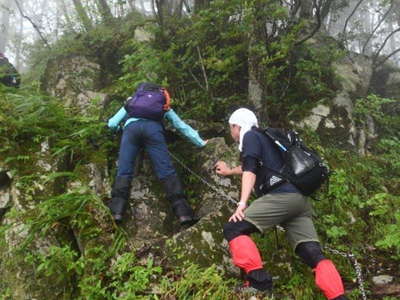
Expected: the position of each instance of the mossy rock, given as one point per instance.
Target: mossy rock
(75, 79)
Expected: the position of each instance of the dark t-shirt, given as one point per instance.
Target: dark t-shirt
(258, 146)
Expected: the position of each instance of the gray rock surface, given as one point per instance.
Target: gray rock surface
(382, 279)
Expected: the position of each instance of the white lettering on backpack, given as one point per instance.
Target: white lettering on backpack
(274, 180)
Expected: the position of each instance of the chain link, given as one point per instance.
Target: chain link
(357, 268)
(350, 256)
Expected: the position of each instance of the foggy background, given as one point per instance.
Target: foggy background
(364, 26)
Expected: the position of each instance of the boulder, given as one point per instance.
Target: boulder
(76, 80)
(203, 243)
(385, 81)
(333, 119)
(382, 279)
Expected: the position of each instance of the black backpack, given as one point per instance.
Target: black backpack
(302, 166)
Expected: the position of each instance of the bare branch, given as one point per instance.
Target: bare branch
(197, 81)
(390, 55)
(155, 5)
(377, 26)
(326, 8)
(203, 69)
(348, 19)
(33, 24)
(317, 6)
(384, 44)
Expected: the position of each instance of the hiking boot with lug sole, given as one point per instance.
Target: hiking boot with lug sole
(117, 218)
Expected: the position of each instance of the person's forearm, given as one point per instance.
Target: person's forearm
(191, 134)
(236, 171)
(117, 118)
(248, 181)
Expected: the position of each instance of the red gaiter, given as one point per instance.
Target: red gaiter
(245, 254)
(327, 278)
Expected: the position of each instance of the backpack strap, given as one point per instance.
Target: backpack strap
(283, 146)
(167, 105)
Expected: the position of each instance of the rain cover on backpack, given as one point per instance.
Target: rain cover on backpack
(150, 101)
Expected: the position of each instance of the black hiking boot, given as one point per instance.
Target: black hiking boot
(120, 196)
(257, 282)
(176, 197)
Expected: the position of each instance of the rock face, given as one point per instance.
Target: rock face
(76, 80)
(150, 223)
(204, 242)
(334, 120)
(386, 81)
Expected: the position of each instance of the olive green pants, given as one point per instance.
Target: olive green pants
(292, 211)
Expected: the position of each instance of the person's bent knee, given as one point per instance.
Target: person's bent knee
(234, 229)
(230, 231)
(310, 252)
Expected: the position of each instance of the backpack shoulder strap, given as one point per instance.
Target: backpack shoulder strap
(167, 104)
(279, 138)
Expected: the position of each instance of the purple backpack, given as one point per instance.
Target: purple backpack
(150, 101)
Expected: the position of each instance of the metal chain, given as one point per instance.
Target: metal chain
(213, 187)
(357, 267)
(351, 256)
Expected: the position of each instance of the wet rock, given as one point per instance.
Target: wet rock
(334, 119)
(76, 80)
(385, 81)
(382, 279)
(204, 243)
(318, 113)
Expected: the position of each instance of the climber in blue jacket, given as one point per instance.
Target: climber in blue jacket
(143, 129)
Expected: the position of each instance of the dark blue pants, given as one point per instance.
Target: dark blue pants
(149, 135)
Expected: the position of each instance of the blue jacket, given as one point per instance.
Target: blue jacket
(170, 115)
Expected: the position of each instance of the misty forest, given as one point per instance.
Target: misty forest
(328, 69)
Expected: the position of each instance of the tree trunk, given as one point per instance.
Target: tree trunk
(168, 8)
(255, 90)
(256, 34)
(392, 42)
(336, 27)
(200, 4)
(306, 9)
(396, 10)
(83, 16)
(18, 45)
(64, 10)
(34, 25)
(131, 4)
(367, 21)
(5, 24)
(104, 10)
